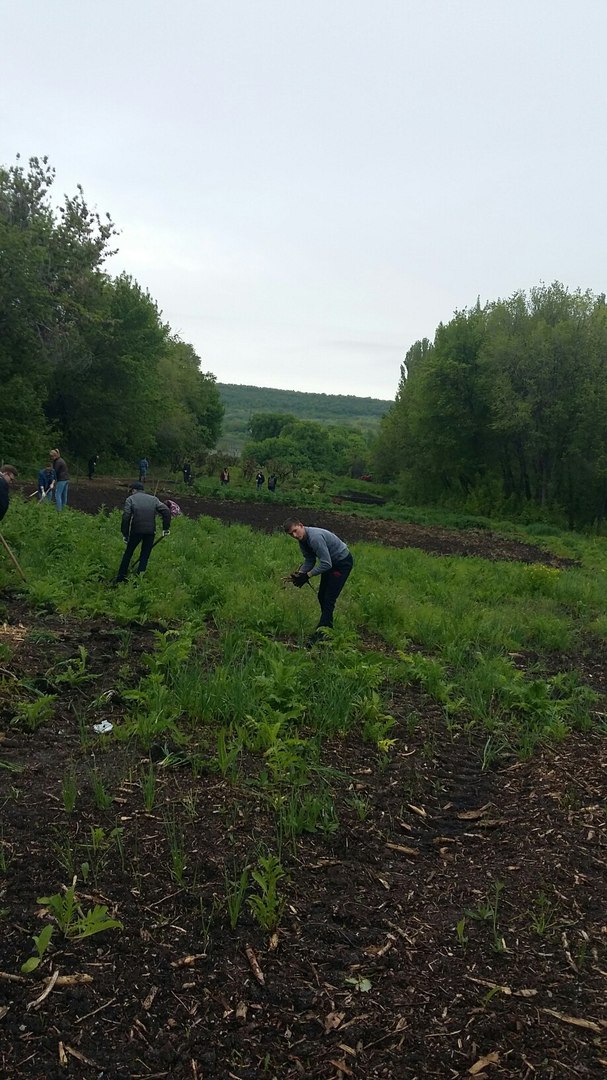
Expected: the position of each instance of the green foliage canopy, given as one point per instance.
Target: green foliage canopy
(245, 404)
(290, 445)
(506, 409)
(86, 360)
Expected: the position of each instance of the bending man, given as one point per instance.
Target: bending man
(139, 526)
(326, 555)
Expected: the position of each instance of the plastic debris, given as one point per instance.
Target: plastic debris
(103, 728)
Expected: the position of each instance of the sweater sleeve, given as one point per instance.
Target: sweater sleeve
(165, 513)
(308, 557)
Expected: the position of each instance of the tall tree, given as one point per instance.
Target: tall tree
(86, 359)
(507, 408)
(191, 413)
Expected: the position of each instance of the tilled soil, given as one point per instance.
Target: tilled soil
(91, 496)
(453, 925)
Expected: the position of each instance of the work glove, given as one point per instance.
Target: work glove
(299, 580)
(166, 532)
(126, 539)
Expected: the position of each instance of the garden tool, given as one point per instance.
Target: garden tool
(12, 556)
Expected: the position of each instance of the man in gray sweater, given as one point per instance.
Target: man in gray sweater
(326, 555)
(139, 526)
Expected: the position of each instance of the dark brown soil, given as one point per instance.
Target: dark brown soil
(368, 975)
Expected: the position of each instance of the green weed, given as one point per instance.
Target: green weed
(99, 847)
(72, 920)
(227, 756)
(71, 672)
(236, 889)
(32, 714)
(102, 798)
(148, 788)
(69, 790)
(360, 805)
(176, 841)
(41, 944)
(306, 812)
(460, 929)
(489, 912)
(376, 722)
(267, 906)
(542, 915)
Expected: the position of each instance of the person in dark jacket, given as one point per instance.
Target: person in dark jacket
(139, 525)
(187, 472)
(272, 479)
(92, 465)
(61, 479)
(326, 555)
(46, 479)
(8, 475)
(260, 480)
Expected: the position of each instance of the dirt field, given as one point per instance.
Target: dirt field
(90, 497)
(452, 926)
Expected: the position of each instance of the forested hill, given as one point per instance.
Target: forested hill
(242, 402)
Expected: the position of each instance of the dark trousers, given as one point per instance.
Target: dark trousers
(147, 542)
(331, 584)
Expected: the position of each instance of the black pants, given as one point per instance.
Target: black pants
(331, 584)
(147, 542)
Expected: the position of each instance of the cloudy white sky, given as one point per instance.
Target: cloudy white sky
(307, 188)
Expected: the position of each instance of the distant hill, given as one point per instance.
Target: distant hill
(241, 402)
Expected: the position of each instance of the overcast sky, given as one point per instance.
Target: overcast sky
(308, 188)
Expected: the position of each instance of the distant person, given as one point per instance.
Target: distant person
(60, 486)
(92, 465)
(187, 472)
(260, 480)
(224, 476)
(143, 469)
(334, 565)
(139, 525)
(46, 479)
(8, 475)
(272, 481)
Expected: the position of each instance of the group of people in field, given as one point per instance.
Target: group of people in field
(260, 481)
(324, 554)
(53, 481)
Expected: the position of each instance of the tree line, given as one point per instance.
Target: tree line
(506, 410)
(243, 402)
(288, 446)
(86, 360)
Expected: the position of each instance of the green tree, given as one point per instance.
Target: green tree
(104, 392)
(191, 410)
(268, 425)
(49, 267)
(507, 409)
(86, 360)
